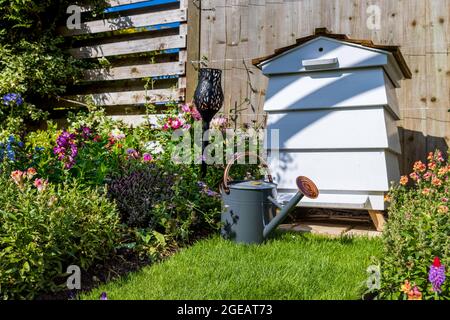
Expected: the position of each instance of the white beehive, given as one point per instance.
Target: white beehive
(334, 103)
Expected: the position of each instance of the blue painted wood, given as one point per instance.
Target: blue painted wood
(165, 77)
(164, 26)
(139, 5)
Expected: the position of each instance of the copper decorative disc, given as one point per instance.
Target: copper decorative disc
(307, 187)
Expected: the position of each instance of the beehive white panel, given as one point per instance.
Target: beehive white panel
(348, 56)
(337, 199)
(329, 90)
(342, 170)
(335, 129)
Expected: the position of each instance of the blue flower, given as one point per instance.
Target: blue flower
(12, 98)
(11, 155)
(11, 139)
(39, 149)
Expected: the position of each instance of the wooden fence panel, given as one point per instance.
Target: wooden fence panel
(234, 32)
(143, 41)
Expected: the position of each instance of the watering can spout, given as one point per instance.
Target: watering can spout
(307, 188)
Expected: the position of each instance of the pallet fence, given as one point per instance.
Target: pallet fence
(144, 44)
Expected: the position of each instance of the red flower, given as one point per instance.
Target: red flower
(437, 262)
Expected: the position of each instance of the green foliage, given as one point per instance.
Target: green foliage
(418, 230)
(43, 231)
(33, 58)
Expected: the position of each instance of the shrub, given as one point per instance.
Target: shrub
(44, 228)
(165, 198)
(417, 235)
(138, 192)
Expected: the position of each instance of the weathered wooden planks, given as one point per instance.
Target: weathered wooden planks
(135, 71)
(126, 22)
(130, 47)
(134, 97)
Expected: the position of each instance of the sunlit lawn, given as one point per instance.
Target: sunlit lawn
(289, 266)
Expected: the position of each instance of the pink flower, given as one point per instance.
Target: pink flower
(41, 184)
(219, 122)
(176, 124)
(415, 294)
(185, 108)
(426, 191)
(414, 176)
(196, 114)
(427, 176)
(147, 157)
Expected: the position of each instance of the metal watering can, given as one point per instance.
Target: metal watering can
(250, 211)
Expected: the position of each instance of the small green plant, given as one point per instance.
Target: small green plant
(44, 228)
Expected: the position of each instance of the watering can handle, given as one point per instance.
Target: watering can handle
(237, 156)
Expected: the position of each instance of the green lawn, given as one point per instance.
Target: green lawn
(290, 266)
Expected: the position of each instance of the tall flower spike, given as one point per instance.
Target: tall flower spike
(436, 275)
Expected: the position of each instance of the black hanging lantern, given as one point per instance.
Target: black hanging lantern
(208, 99)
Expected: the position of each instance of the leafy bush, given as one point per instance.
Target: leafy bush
(44, 228)
(417, 235)
(138, 192)
(33, 59)
(166, 199)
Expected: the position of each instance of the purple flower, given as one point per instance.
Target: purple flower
(201, 184)
(86, 132)
(103, 296)
(211, 193)
(66, 149)
(437, 275)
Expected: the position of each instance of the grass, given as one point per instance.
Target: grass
(288, 267)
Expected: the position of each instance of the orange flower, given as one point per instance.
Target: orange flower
(18, 177)
(432, 165)
(404, 180)
(420, 167)
(406, 287)
(443, 209)
(436, 182)
(426, 191)
(430, 156)
(387, 198)
(415, 294)
(31, 172)
(443, 171)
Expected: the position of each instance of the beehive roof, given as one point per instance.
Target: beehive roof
(323, 32)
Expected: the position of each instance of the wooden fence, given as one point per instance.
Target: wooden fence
(144, 44)
(233, 32)
(230, 33)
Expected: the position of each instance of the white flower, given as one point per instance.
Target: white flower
(117, 134)
(154, 147)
